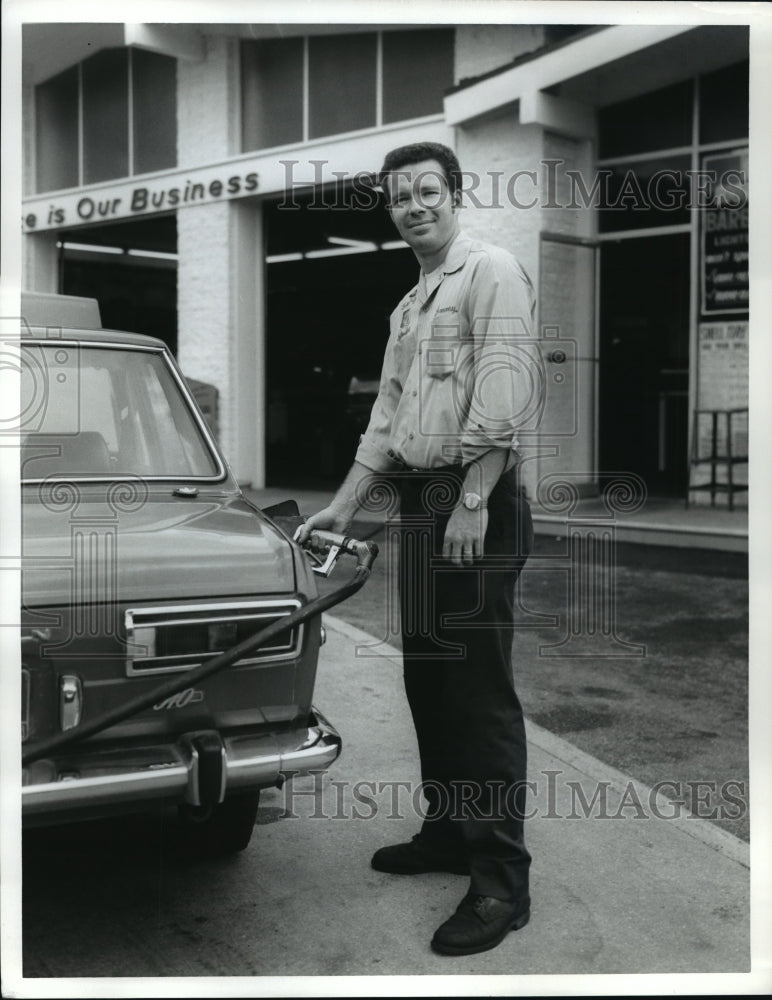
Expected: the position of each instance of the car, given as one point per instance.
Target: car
(142, 561)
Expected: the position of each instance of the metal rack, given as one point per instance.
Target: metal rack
(718, 458)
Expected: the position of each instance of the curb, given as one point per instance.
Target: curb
(689, 824)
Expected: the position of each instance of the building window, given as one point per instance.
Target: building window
(114, 115)
(56, 131)
(642, 194)
(417, 69)
(154, 104)
(659, 120)
(647, 148)
(297, 89)
(341, 83)
(724, 104)
(104, 85)
(272, 92)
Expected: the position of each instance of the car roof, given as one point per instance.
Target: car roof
(120, 338)
(47, 316)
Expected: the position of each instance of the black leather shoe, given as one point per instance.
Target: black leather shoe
(480, 923)
(416, 858)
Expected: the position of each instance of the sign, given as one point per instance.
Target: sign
(722, 379)
(724, 250)
(108, 203)
(310, 168)
(722, 384)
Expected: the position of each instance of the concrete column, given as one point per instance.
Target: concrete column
(40, 272)
(220, 288)
(205, 340)
(248, 301)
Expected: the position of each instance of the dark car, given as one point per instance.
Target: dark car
(142, 559)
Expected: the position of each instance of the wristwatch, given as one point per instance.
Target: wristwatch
(473, 501)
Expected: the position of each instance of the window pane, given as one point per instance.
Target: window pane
(154, 86)
(641, 195)
(660, 120)
(341, 83)
(271, 92)
(107, 413)
(56, 131)
(724, 104)
(417, 70)
(105, 116)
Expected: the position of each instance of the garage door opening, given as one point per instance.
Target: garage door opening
(131, 269)
(334, 275)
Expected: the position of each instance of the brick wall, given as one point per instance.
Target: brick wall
(495, 150)
(205, 128)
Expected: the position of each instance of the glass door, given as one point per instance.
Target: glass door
(644, 360)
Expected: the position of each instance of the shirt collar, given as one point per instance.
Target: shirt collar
(457, 254)
(456, 258)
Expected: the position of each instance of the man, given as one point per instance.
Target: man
(444, 428)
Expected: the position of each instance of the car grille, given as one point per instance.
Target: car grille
(169, 639)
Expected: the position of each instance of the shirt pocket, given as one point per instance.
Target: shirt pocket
(446, 357)
(447, 350)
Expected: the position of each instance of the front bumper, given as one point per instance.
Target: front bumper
(87, 783)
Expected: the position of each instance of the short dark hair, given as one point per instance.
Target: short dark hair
(416, 152)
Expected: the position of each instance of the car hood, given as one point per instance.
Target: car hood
(112, 547)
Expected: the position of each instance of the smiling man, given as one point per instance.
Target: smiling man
(443, 428)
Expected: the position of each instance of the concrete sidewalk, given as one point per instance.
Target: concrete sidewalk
(630, 893)
(658, 522)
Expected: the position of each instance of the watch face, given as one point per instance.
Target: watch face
(472, 501)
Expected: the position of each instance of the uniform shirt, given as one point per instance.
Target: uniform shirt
(458, 370)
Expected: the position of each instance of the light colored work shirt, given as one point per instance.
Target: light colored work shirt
(458, 370)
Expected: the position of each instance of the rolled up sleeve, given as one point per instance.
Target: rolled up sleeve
(501, 304)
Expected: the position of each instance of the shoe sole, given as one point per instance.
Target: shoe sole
(449, 949)
(459, 869)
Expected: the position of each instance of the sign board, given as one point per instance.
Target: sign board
(722, 382)
(724, 249)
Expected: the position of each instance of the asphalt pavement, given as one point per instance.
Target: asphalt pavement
(622, 885)
(628, 879)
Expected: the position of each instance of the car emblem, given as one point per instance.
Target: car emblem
(187, 697)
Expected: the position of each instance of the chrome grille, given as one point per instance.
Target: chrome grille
(181, 637)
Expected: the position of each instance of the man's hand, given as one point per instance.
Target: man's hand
(339, 514)
(329, 519)
(465, 536)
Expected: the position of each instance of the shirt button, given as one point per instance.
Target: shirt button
(415, 392)
(410, 436)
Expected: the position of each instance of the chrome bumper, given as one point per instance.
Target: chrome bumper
(86, 783)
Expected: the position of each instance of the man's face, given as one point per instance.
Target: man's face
(422, 207)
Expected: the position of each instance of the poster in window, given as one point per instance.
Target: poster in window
(724, 250)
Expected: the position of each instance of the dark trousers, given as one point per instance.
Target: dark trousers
(457, 629)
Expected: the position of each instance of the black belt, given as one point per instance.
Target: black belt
(403, 466)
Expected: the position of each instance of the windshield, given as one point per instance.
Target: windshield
(103, 412)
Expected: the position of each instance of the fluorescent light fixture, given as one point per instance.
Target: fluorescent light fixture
(155, 254)
(394, 245)
(345, 242)
(342, 251)
(280, 258)
(90, 248)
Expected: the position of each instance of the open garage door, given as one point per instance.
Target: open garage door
(335, 272)
(131, 269)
